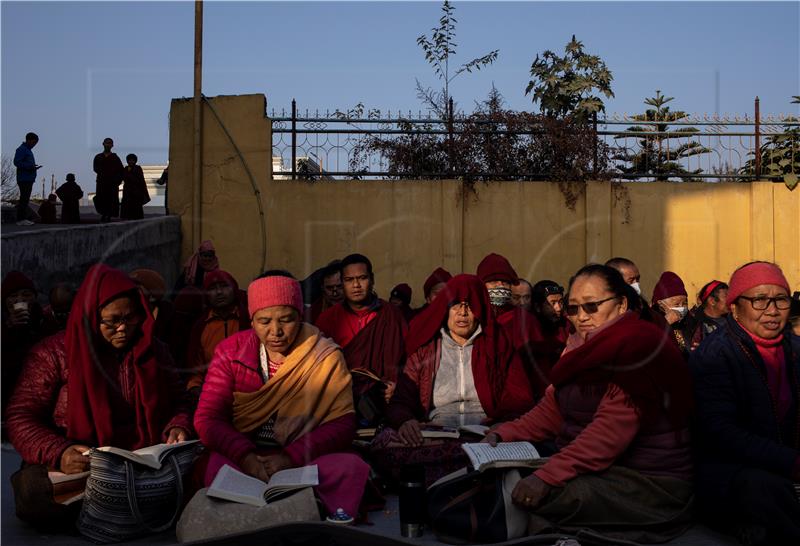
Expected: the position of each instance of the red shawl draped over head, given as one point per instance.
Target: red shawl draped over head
(491, 352)
(638, 357)
(90, 419)
(191, 265)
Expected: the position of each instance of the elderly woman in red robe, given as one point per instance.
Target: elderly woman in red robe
(461, 371)
(618, 409)
(105, 381)
(279, 396)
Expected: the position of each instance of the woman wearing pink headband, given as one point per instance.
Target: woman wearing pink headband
(280, 396)
(747, 390)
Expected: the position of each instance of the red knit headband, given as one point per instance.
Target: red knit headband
(755, 274)
(272, 291)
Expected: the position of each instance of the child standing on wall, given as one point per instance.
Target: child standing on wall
(70, 194)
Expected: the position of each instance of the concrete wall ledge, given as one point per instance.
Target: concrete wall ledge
(57, 253)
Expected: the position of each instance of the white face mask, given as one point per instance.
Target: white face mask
(635, 286)
(681, 311)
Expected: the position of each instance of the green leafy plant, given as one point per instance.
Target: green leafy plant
(570, 85)
(780, 155)
(657, 155)
(439, 48)
(492, 143)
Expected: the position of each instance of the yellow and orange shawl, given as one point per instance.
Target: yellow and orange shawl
(312, 386)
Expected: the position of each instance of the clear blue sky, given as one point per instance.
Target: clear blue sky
(76, 72)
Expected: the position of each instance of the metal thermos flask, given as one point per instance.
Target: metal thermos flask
(412, 500)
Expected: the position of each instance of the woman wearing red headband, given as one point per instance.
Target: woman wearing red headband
(279, 396)
(747, 388)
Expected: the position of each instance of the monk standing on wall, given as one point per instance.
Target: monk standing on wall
(108, 167)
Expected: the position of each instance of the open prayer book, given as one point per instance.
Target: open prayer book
(232, 485)
(504, 455)
(68, 488)
(151, 456)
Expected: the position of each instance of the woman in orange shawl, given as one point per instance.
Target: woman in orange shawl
(279, 396)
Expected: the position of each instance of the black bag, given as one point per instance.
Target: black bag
(368, 398)
(126, 500)
(476, 506)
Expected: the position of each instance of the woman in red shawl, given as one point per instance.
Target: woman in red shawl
(460, 372)
(618, 409)
(196, 267)
(105, 381)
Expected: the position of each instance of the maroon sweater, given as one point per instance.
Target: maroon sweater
(37, 412)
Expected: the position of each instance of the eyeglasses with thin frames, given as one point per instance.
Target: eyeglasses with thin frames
(761, 303)
(114, 324)
(590, 307)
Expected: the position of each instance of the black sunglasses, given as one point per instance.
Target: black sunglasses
(590, 307)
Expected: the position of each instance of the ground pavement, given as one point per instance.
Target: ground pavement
(383, 530)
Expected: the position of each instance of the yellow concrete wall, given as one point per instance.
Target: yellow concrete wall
(408, 228)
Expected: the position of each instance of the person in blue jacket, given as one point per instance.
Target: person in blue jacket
(26, 176)
(747, 391)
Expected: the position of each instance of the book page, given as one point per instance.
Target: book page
(481, 455)
(230, 484)
(60, 477)
(149, 456)
(479, 430)
(304, 476)
(157, 452)
(438, 431)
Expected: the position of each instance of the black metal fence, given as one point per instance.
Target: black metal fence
(328, 146)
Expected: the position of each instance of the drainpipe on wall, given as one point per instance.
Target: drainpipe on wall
(197, 168)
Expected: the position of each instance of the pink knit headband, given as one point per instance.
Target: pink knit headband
(755, 274)
(272, 291)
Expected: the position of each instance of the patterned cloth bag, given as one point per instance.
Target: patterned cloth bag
(126, 500)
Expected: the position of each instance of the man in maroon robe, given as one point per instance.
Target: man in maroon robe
(497, 274)
(108, 167)
(370, 331)
(332, 292)
(540, 335)
(434, 284)
(401, 298)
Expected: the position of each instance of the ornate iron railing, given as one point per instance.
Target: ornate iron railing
(317, 146)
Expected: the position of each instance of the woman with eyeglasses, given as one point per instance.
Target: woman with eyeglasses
(618, 409)
(460, 371)
(747, 388)
(105, 381)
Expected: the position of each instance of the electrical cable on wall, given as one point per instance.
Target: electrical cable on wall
(256, 191)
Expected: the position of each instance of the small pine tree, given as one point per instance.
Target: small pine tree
(656, 156)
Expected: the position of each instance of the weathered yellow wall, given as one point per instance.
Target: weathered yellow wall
(408, 228)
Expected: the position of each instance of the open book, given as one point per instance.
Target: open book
(505, 454)
(232, 485)
(68, 488)
(151, 456)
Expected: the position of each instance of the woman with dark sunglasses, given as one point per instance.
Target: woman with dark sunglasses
(747, 387)
(618, 409)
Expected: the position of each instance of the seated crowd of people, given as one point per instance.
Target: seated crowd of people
(649, 415)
